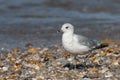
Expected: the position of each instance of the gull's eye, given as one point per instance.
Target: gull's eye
(66, 27)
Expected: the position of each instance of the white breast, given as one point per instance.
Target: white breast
(72, 45)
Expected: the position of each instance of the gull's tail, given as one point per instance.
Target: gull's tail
(100, 46)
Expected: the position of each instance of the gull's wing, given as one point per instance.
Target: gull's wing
(85, 41)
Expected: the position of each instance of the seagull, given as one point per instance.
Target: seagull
(77, 44)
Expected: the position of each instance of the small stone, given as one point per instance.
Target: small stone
(87, 79)
(5, 68)
(43, 50)
(59, 63)
(36, 57)
(66, 68)
(36, 67)
(108, 74)
(104, 70)
(70, 59)
(34, 79)
(12, 59)
(42, 78)
(115, 62)
(33, 50)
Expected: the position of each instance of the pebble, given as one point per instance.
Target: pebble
(5, 68)
(70, 59)
(108, 74)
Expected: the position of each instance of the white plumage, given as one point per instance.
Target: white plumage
(73, 43)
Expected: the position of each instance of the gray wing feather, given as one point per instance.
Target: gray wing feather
(88, 42)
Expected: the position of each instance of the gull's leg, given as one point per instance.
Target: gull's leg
(75, 57)
(80, 58)
(89, 54)
(80, 62)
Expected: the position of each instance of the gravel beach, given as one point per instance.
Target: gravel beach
(54, 63)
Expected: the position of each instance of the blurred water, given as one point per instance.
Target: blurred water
(37, 21)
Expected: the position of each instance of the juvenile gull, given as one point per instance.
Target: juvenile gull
(76, 44)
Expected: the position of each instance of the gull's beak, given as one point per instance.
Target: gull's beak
(59, 31)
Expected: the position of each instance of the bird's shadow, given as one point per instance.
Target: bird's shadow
(80, 66)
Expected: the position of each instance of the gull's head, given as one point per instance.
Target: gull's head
(67, 27)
